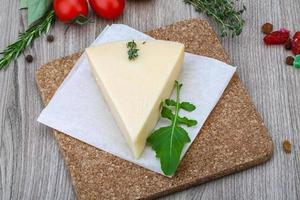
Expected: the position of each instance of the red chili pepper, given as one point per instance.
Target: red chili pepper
(277, 37)
(296, 43)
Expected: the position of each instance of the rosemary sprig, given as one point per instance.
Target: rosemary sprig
(223, 13)
(26, 38)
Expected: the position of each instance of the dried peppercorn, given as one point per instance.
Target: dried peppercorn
(287, 146)
(50, 38)
(267, 28)
(29, 58)
(288, 44)
(277, 37)
(289, 60)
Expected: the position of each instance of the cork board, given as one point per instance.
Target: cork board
(233, 138)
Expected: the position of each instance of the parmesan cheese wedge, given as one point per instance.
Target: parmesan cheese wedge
(134, 89)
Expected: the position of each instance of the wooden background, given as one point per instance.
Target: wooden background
(31, 166)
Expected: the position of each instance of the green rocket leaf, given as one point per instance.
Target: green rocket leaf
(169, 141)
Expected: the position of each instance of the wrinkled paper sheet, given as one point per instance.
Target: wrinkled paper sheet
(79, 110)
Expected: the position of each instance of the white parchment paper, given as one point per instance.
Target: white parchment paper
(79, 110)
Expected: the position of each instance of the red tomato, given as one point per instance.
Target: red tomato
(68, 10)
(108, 9)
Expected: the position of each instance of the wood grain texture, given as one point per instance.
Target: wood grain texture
(30, 163)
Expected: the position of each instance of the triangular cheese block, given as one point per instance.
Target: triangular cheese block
(134, 89)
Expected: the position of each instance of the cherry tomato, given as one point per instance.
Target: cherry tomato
(108, 9)
(68, 10)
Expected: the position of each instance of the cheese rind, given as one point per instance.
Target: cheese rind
(134, 89)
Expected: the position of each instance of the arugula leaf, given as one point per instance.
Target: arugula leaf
(37, 9)
(187, 106)
(169, 141)
(186, 121)
(23, 4)
(170, 102)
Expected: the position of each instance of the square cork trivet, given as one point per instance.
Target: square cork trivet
(232, 139)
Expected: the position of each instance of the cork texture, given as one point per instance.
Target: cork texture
(233, 138)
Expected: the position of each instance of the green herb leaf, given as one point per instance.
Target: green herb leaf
(223, 12)
(169, 141)
(168, 150)
(26, 38)
(167, 113)
(186, 121)
(37, 9)
(187, 106)
(132, 50)
(23, 4)
(170, 102)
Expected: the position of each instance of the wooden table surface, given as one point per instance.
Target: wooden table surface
(31, 166)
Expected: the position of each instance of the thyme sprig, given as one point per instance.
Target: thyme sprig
(132, 50)
(223, 12)
(26, 38)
